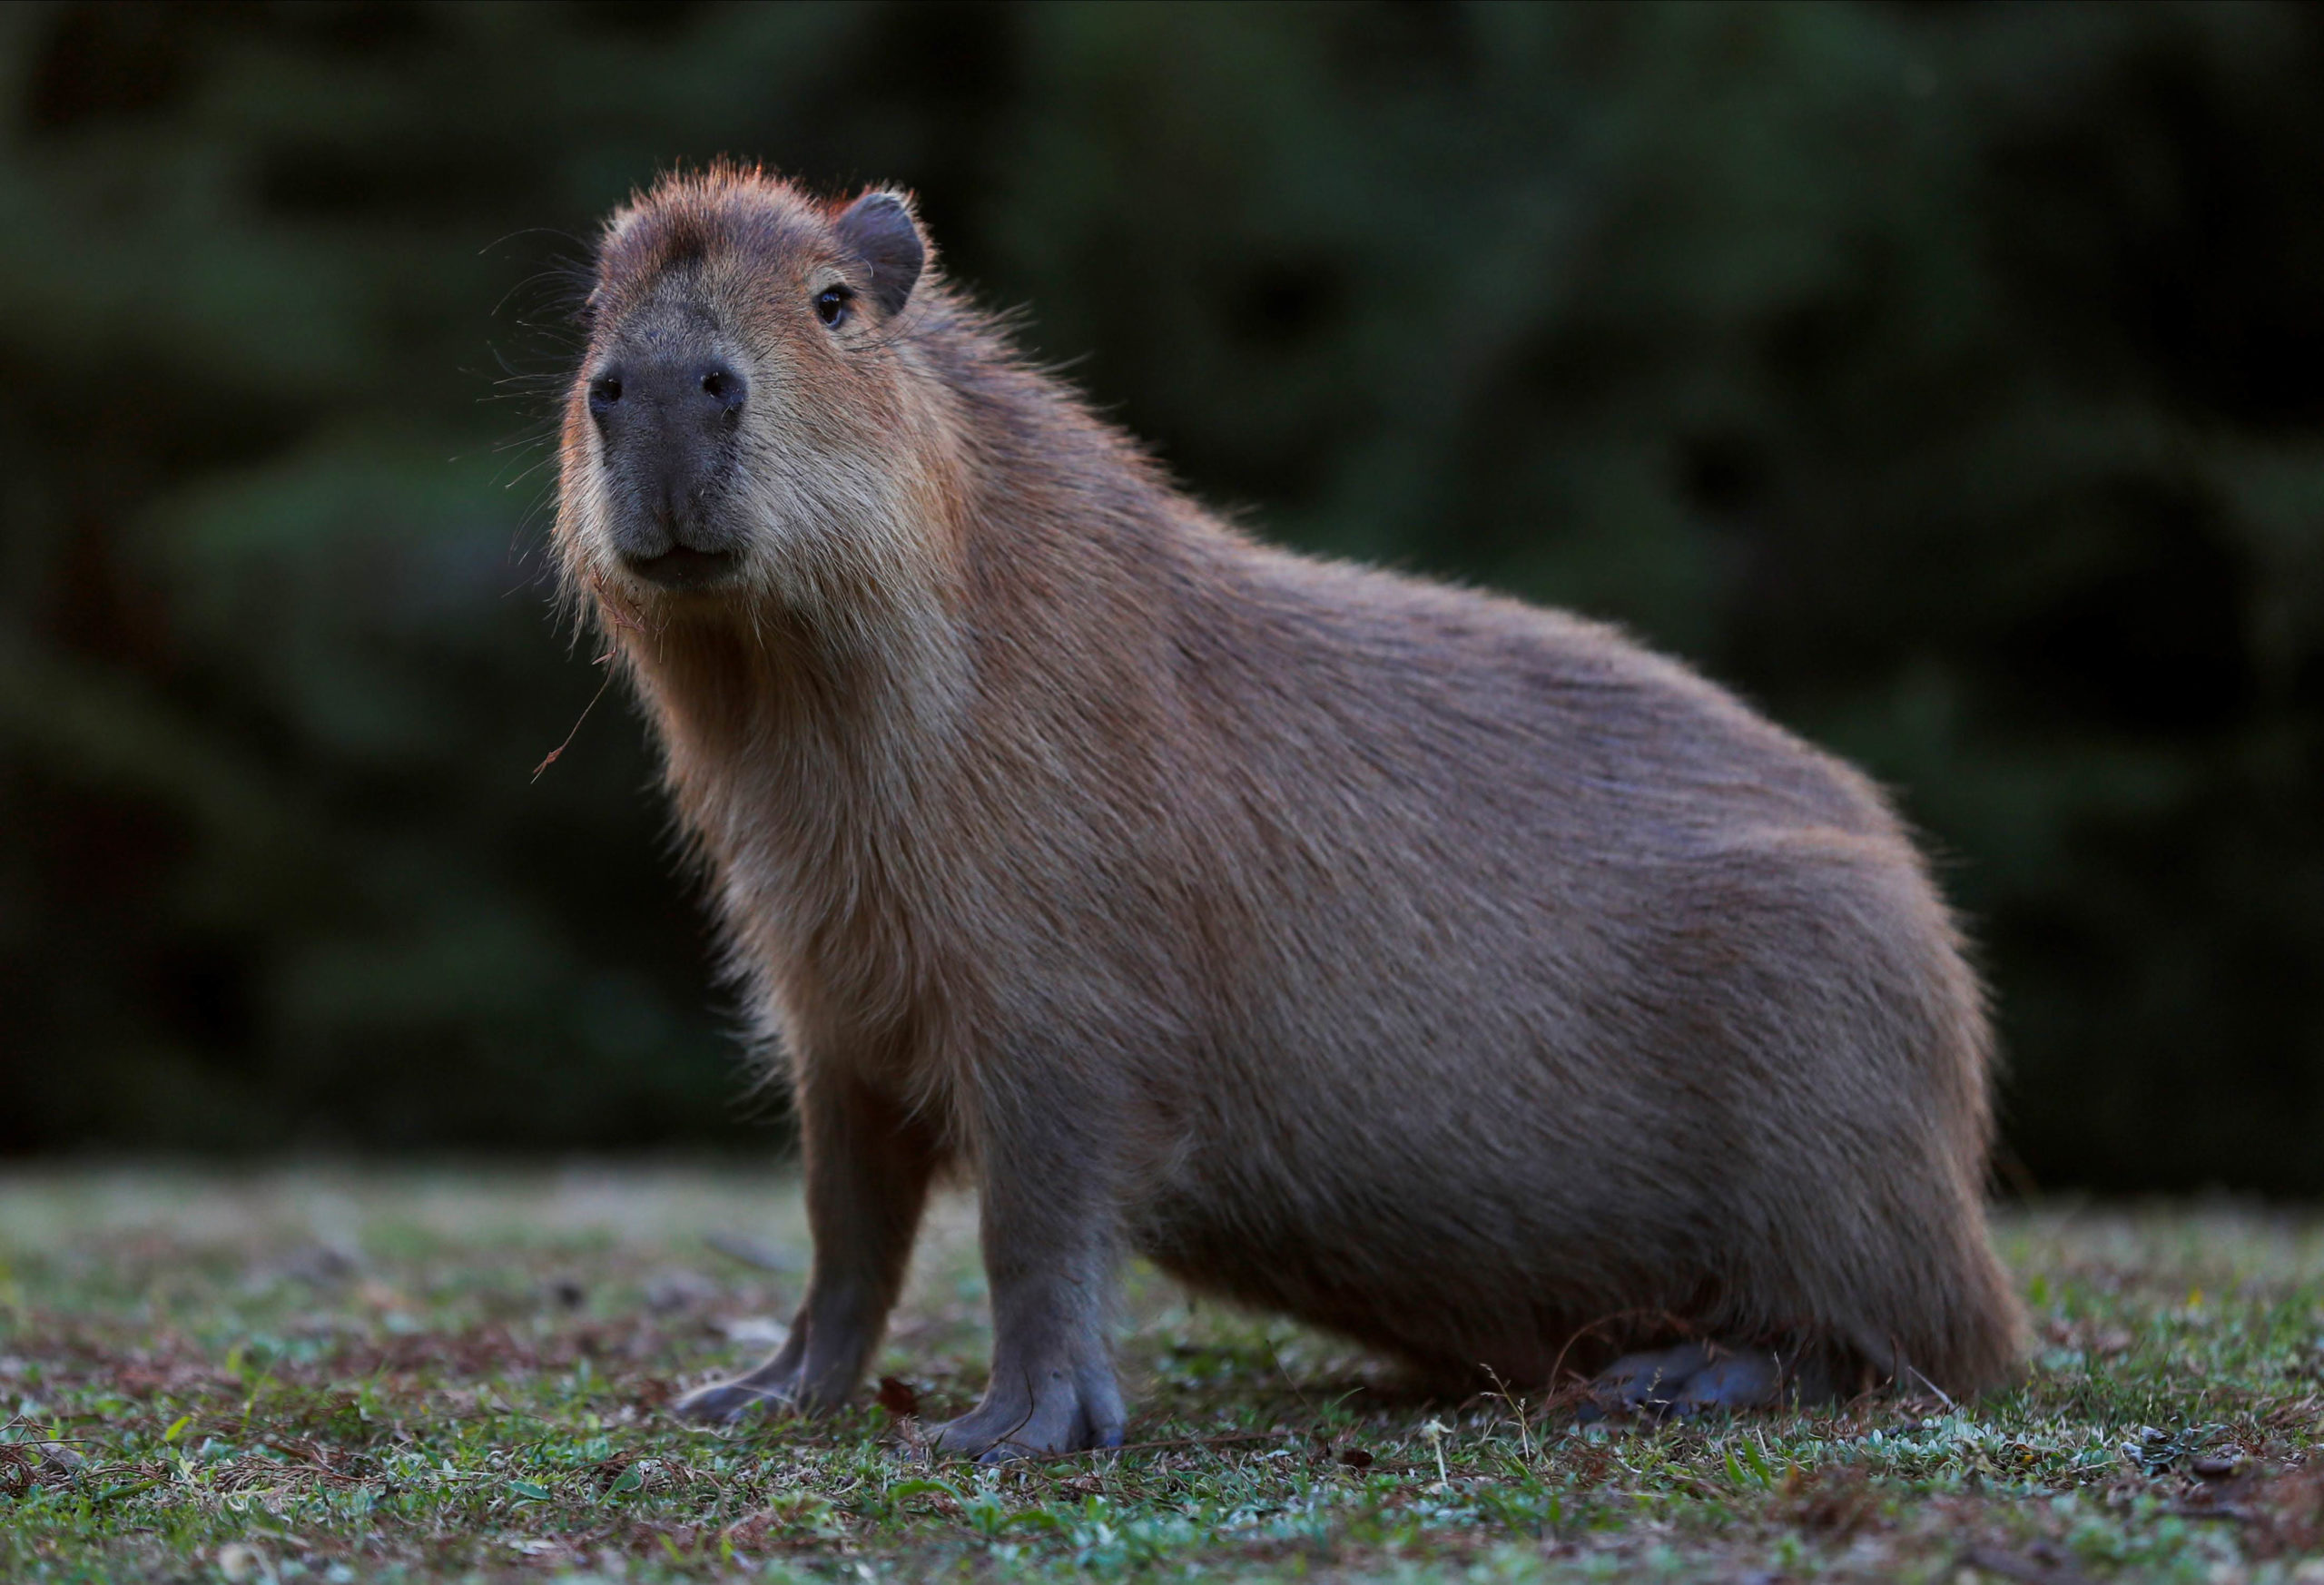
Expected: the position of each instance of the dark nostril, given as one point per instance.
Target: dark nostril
(604, 391)
(723, 385)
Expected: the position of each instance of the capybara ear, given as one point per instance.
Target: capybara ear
(879, 229)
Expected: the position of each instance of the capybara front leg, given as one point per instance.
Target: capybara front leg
(1049, 1260)
(868, 1164)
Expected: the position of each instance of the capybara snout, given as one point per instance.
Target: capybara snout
(1450, 972)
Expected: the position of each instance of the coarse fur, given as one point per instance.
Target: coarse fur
(1452, 973)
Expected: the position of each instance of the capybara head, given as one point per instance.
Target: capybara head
(746, 424)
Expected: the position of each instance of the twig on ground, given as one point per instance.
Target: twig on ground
(1941, 1396)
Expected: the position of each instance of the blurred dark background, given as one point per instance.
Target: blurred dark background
(1946, 378)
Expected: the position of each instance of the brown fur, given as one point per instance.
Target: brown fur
(1446, 971)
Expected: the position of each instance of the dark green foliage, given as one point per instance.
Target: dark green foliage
(1946, 379)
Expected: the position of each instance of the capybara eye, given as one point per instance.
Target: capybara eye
(831, 305)
(604, 392)
(716, 383)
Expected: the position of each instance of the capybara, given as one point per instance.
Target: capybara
(1453, 974)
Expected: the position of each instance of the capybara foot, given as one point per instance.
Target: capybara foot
(1644, 1384)
(786, 1385)
(1697, 1377)
(723, 1403)
(1066, 1412)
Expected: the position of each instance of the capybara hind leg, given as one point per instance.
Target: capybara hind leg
(1699, 1378)
(868, 1165)
(1644, 1382)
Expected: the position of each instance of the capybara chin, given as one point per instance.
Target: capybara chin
(1447, 972)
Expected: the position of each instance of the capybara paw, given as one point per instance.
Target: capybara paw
(1692, 1379)
(1644, 1384)
(792, 1382)
(1060, 1418)
(723, 1403)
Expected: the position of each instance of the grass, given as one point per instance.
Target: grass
(440, 1376)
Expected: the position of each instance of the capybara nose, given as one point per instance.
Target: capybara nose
(706, 393)
(668, 425)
